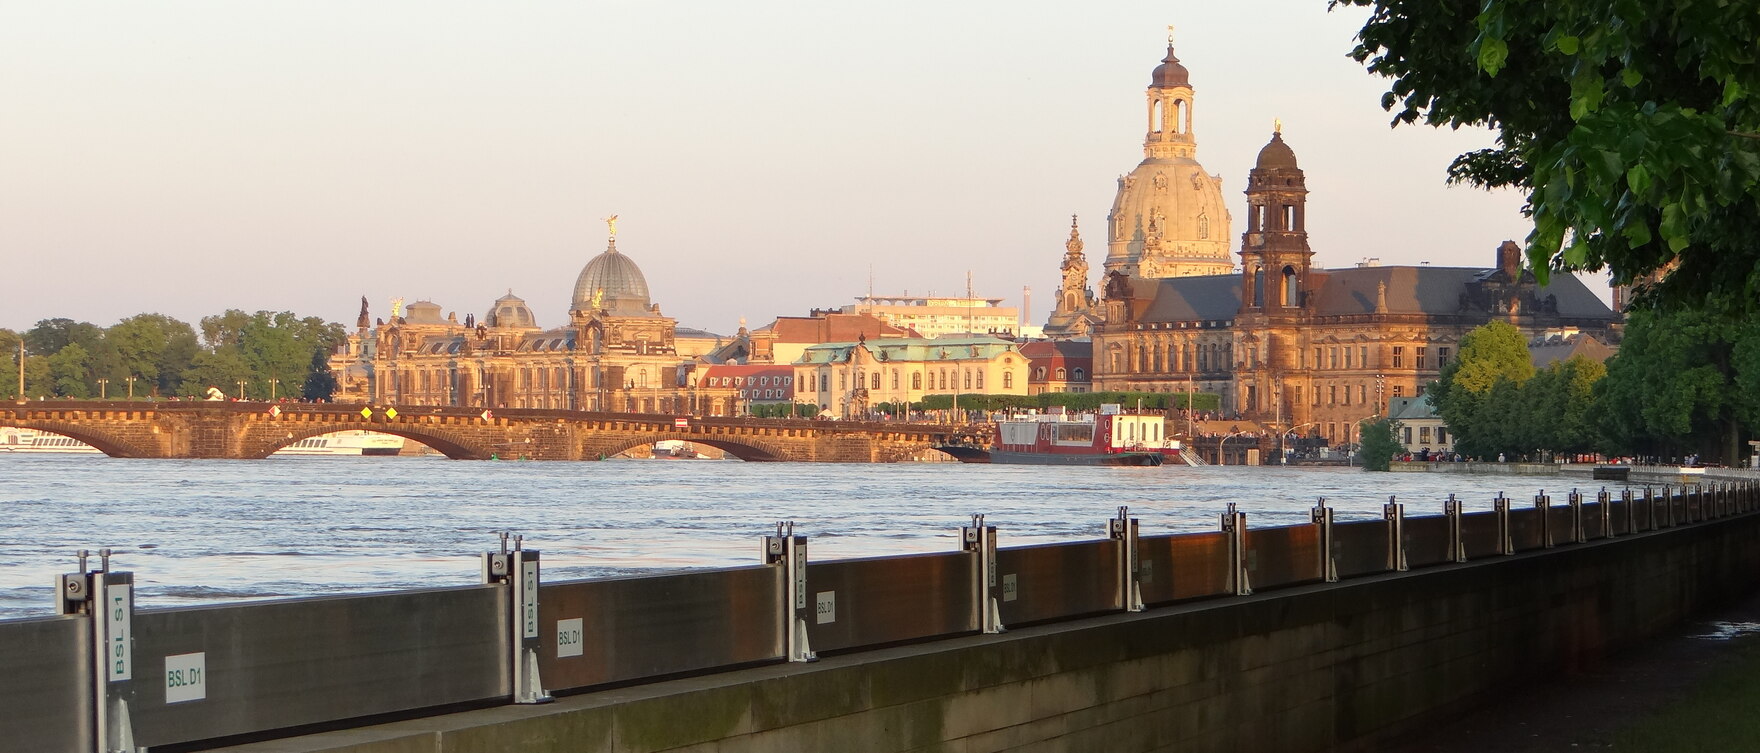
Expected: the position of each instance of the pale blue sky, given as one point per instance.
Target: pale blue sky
(188, 157)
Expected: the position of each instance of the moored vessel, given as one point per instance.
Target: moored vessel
(1106, 438)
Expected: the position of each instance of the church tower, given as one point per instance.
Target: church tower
(1275, 256)
(1169, 219)
(1073, 315)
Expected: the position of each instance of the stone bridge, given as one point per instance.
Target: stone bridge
(244, 430)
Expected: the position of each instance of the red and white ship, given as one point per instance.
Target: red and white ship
(1106, 438)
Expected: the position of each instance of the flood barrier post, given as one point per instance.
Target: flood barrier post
(1505, 540)
(1124, 529)
(1322, 517)
(980, 540)
(1395, 515)
(1575, 500)
(517, 570)
(788, 552)
(1457, 550)
(1606, 502)
(106, 599)
(1543, 503)
(1234, 523)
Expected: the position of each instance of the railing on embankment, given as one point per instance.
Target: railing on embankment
(104, 676)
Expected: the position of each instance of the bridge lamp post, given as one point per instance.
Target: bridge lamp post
(272, 382)
(131, 379)
(103, 388)
(241, 384)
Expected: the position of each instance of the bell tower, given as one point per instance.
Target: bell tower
(1170, 109)
(1275, 255)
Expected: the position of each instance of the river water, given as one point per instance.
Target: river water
(204, 531)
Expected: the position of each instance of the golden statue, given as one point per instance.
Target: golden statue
(611, 222)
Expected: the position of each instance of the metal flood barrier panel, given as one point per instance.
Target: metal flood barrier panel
(1524, 528)
(1617, 511)
(1592, 528)
(1360, 547)
(1427, 540)
(1183, 566)
(1480, 534)
(1561, 524)
(45, 689)
(878, 600)
(602, 631)
(1283, 556)
(1053, 581)
(207, 672)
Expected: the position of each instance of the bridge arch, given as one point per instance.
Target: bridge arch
(109, 444)
(446, 443)
(749, 450)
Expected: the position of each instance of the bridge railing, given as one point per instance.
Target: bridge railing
(104, 675)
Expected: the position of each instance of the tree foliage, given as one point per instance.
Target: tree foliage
(1633, 128)
(1075, 401)
(1495, 403)
(1380, 442)
(1681, 384)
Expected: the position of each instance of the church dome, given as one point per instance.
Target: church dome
(1276, 154)
(1169, 73)
(510, 311)
(611, 281)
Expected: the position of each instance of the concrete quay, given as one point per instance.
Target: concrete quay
(1341, 666)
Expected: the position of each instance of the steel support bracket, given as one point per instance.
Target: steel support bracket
(1124, 530)
(788, 552)
(1321, 516)
(980, 540)
(1234, 523)
(1457, 547)
(517, 569)
(1395, 515)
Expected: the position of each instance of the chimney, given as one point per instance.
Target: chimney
(1509, 260)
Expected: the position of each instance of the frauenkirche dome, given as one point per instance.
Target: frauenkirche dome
(1169, 219)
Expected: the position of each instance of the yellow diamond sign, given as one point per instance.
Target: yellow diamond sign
(391, 413)
(366, 413)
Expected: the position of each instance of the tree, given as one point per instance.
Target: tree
(320, 382)
(67, 371)
(1675, 387)
(1380, 443)
(1633, 128)
(1465, 396)
(222, 368)
(9, 342)
(152, 346)
(49, 336)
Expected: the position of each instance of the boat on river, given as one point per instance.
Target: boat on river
(42, 442)
(346, 444)
(1106, 438)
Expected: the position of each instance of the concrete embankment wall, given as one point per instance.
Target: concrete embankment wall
(1311, 668)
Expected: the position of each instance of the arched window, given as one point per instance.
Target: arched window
(1039, 373)
(1182, 116)
(966, 379)
(1008, 380)
(875, 382)
(1062, 373)
(1081, 375)
(917, 381)
(641, 377)
(895, 379)
(980, 380)
(1289, 217)
(1292, 291)
(1155, 116)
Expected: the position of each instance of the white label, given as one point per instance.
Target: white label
(568, 637)
(1146, 571)
(530, 606)
(186, 677)
(118, 606)
(800, 576)
(827, 611)
(1009, 587)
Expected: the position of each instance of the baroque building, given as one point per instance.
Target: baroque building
(616, 353)
(1169, 219)
(1314, 350)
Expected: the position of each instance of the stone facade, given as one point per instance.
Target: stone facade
(1315, 350)
(617, 352)
(848, 379)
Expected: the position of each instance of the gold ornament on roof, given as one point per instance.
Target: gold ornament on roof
(611, 224)
(1170, 35)
(1277, 125)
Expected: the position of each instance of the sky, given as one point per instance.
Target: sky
(764, 157)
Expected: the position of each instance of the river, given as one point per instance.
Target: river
(204, 531)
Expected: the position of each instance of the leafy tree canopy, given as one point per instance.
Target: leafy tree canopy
(1632, 127)
(1379, 443)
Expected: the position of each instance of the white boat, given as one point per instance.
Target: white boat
(346, 443)
(31, 440)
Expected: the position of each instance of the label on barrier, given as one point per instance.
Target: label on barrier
(1146, 571)
(186, 677)
(1010, 587)
(569, 635)
(529, 610)
(827, 609)
(118, 608)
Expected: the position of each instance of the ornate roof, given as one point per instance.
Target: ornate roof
(510, 311)
(1169, 73)
(1276, 154)
(612, 282)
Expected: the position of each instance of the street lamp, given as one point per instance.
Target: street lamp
(241, 384)
(272, 382)
(103, 388)
(131, 379)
